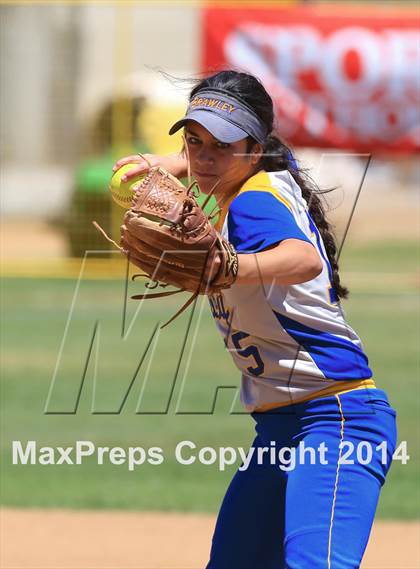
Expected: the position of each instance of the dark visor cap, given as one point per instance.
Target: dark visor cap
(224, 117)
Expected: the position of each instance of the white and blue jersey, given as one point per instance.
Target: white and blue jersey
(291, 342)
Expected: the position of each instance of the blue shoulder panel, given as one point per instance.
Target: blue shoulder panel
(256, 220)
(336, 357)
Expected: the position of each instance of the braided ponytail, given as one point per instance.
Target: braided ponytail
(277, 156)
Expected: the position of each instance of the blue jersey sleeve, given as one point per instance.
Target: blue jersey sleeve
(257, 220)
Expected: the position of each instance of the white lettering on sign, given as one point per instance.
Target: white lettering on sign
(403, 59)
(351, 65)
(353, 82)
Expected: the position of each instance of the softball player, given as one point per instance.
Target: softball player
(306, 380)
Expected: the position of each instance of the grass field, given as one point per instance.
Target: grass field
(383, 308)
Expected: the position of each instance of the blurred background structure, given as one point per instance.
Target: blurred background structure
(80, 91)
(85, 87)
(85, 83)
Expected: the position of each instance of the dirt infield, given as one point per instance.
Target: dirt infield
(48, 539)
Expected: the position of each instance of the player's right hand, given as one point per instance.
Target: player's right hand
(175, 164)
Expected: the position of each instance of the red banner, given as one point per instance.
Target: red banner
(339, 77)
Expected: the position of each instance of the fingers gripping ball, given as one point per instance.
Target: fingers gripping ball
(123, 192)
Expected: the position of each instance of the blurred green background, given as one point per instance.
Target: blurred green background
(383, 308)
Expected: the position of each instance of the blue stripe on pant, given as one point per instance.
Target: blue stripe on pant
(314, 516)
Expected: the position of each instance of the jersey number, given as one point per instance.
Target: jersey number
(248, 352)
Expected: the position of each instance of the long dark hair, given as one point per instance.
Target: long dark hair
(277, 155)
